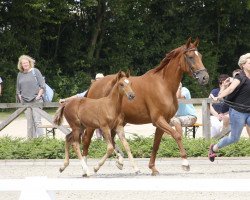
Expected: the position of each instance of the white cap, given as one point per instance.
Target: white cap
(99, 75)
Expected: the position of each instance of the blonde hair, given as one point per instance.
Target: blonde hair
(243, 59)
(30, 59)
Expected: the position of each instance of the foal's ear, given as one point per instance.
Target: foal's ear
(128, 73)
(188, 42)
(119, 75)
(197, 41)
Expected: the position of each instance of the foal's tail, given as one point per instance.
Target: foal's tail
(58, 118)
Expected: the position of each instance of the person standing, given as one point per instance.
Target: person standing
(1, 87)
(219, 111)
(237, 94)
(30, 87)
(186, 114)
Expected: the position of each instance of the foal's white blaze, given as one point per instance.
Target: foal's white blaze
(126, 81)
(196, 52)
(185, 162)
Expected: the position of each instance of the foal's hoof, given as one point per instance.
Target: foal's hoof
(119, 165)
(61, 170)
(96, 169)
(186, 167)
(137, 172)
(155, 173)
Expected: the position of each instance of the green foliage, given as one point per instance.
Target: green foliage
(73, 40)
(141, 147)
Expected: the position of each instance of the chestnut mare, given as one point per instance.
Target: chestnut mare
(156, 100)
(95, 113)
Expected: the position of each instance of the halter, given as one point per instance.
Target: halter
(189, 61)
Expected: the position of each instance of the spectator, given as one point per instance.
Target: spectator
(186, 114)
(1, 88)
(237, 94)
(219, 118)
(30, 87)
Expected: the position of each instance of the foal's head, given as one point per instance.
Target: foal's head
(124, 85)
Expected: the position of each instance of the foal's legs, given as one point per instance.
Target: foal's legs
(110, 148)
(66, 160)
(118, 152)
(120, 132)
(163, 125)
(76, 147)
(86, 139)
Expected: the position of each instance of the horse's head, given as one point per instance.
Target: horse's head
(124, 84)
(192, 60)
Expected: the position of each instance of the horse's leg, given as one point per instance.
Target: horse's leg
(118, 152)
(121, 135)
(157, 140)
(76, 146)
(162, 124)
(86, 139)
(110, 148)
(66, 160)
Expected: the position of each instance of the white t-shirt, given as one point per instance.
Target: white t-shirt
(1, 80)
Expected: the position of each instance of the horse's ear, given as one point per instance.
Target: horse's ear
(128, 73)
(119, 75)
(188, 42)
(197, 41)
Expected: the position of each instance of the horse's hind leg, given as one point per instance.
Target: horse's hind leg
(76, 147)
(86, 139)
(121, 135)
(157, 140)
(110, 149)
(66, 160)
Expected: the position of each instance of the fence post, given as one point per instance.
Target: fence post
(30, 123)
(206, 118)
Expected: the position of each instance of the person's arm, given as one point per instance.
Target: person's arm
(0, 89)
(178, 93)
(228, 90)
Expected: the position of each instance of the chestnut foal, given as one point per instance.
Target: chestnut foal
(103, 113)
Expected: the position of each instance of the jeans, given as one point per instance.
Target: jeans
(237, 121)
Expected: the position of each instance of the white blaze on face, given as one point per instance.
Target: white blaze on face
(196, 52)
(126, 81)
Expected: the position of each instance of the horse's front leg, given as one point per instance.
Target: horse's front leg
(118, 152)
(66, 160)
(121, 135)
(110, 148)
(162, 124)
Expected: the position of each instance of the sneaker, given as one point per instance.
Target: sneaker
(211, 153)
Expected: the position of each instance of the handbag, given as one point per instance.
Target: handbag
(48, 93)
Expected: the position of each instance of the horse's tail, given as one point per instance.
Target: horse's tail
(58, 118)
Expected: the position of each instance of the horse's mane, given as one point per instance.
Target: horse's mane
(172, 54)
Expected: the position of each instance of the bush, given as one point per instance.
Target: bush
(141, 147)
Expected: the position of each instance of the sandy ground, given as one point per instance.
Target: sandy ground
(231, 169)
(18, 128)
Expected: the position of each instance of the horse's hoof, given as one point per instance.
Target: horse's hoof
(119, 165)
(137, 172)
(96, 169)
(186, 167)
(155, 173)
(85, 175)
(61, 170)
